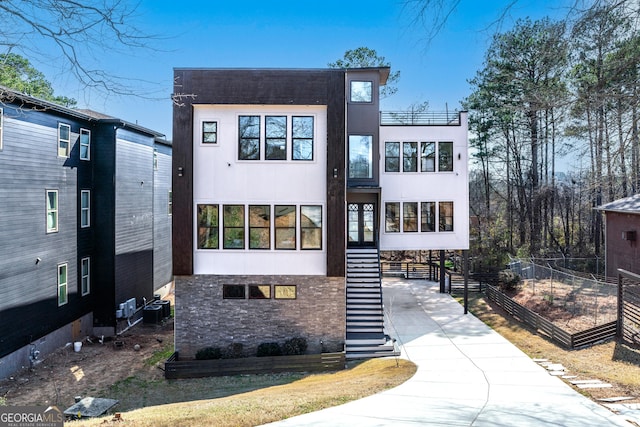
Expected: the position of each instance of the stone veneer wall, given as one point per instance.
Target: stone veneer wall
(204, 319)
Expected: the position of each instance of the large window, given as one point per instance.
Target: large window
(285, 226)
(64, 139)
(209, 132)
(360, 156)
(52, 211)
(233, 226)
(275, 138)
(311, 227)
(62, 284)
(85, 276)
(85, 144)
(445, 156)
(85, 208)
(249, 137)
(428, 216)
(208, 234)
(428, 156)
(445, 213)
(392, 217)
(392, 157)
(302, 137)
(361, 91)
(259, 227)
(410, 157)
(410, 216)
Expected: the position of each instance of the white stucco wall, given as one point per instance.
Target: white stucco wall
(220, 178)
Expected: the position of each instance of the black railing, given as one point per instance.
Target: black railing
(413, 118)
(412, 270)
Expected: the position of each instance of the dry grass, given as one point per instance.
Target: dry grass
(265, 405)
(610, 362)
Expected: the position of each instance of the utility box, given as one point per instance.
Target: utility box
(151, 314)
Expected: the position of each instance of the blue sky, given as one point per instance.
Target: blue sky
(303, 34)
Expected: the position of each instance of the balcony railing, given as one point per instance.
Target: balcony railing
(413, 118)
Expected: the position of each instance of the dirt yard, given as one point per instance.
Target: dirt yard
(65, 374)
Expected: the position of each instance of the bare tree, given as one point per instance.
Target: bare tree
(74, 34)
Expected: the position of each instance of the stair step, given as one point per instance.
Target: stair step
(365, 300)
(374, 318)
(355, 312)
(358, 324)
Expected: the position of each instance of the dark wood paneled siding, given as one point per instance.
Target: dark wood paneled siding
(162, 270)
(29, 165)
(134, 216)
(260, 87)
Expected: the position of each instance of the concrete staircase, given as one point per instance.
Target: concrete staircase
(365, 316)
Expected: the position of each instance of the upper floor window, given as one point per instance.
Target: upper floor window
(445, 156)
(445, 213)
(62, 284)
(275, 138)
(410, 216)
(52, 211)
(85, 276)
(1, 128)
(233, 226)
(85, 144)
(210, 132)
(302, 137)
(361, 91)
(410, 157)
(428, 156)
(64, 139)
(85, 208)
(208, 233)
(249, 137)
(428, 216)
(259, 226)
(392, 157)
(311, 227)
(392, 217)
(285, 226)
(360, 156)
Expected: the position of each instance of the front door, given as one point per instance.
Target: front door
(361, 227)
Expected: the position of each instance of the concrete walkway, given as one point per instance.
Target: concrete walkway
(468, 375)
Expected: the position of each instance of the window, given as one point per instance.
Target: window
(249, 137)
(302, 137)
(275, 138)
(259, 291)
(428, 217)
(361, 91)
(208, 234)
(85, 144)
(209, 132)
(155, 159)
(170, 203)
(410, 216)
(259, 227)
(392, 217)
(428, 156)
(233, 292)
(311, 227)
(285, 291)
(85, 280)
(392, 157)
(445, 212)
(233, 226)
(64, 139)
(360, 156)
(85, 208)
(1, 128)
(52, 211)
(62, 284)
(445, 156)
(285, 227)
(410, 157)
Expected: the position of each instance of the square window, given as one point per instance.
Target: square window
(233, 291)
(85, 144)
(361, 91)
(259, 291)
(64, 139)
(285, 292)
(52, 211)
(210, 132)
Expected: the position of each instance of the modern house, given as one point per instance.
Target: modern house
(84, 224)
(622, 225)
(287, 184)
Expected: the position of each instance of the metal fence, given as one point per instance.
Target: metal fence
(585, 300)
(629, 307)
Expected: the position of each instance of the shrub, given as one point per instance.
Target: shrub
(508, 280)
(209, 353)
(294, 346)
(234, 351)
(269, 349)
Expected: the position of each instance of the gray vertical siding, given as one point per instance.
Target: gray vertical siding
(162, 267)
